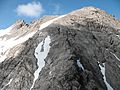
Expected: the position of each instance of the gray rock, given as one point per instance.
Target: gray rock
(87, 35)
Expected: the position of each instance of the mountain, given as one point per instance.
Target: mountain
(76, 51)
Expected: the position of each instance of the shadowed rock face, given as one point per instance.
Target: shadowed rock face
(83, 43)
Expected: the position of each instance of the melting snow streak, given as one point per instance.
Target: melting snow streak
(103, 72)
(115, 56)
(41, 55)
(79, 64)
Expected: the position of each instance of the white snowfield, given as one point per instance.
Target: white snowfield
(7, 84)
(5, 31)
(118, 36)
(41, 55)
(104, 77)
(5, 46)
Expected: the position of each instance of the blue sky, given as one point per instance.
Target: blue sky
(12, 10)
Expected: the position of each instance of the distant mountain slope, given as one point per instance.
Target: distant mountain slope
(76, 51)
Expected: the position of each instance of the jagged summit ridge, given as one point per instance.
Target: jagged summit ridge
(76, 51)
(97, 15)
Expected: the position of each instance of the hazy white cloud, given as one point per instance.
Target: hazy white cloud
(33, 9)
(56, 8)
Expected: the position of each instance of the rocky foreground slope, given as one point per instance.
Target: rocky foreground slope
(76, 51)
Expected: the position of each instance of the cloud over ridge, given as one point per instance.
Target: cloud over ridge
(33, 9)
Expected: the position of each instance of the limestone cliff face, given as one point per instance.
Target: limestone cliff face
(77, 51)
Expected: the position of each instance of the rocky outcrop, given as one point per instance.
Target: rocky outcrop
(83, 55)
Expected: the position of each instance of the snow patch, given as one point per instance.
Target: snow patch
(104, 77)
(50, 73)
(118, 36)
(5, 31)
(44, 25)
(41, 55)
(79, 64)
(6, 45)
(7, 83)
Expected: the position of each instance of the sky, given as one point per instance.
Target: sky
(29, 10)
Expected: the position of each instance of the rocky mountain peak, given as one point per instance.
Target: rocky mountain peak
(20, 21)
(76, 51)
(18, 24)
(97, 15)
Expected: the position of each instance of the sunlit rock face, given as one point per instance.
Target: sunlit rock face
(76, 51)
